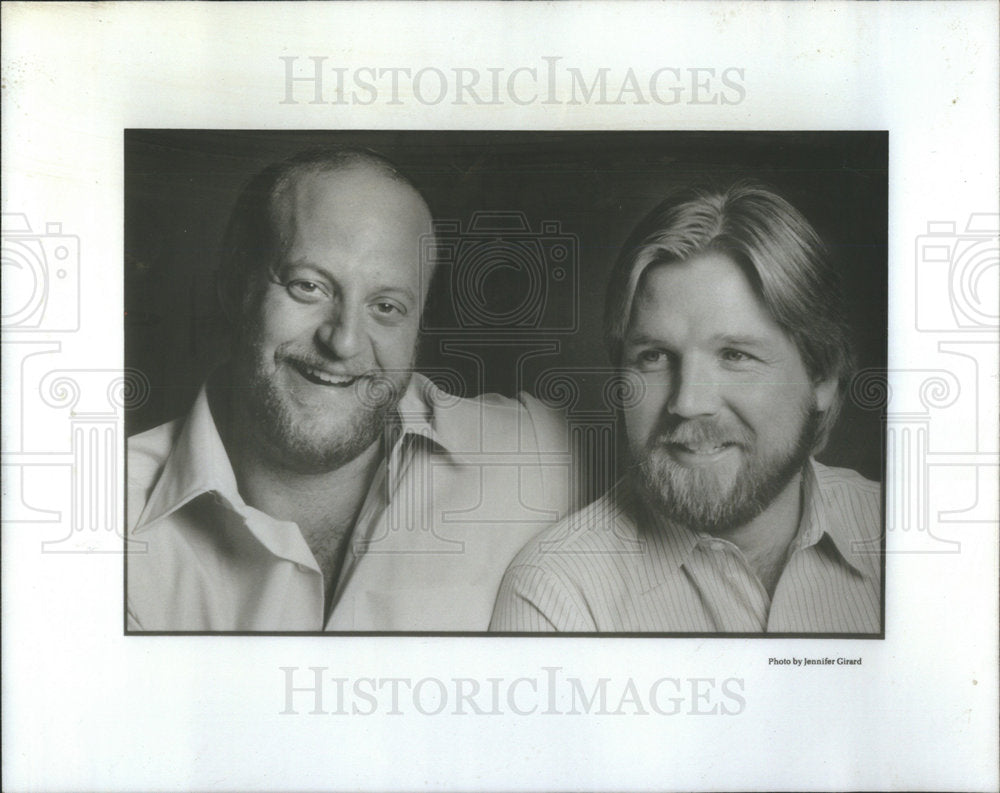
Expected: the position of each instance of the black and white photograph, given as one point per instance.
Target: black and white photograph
(499, 396)
(402, 358)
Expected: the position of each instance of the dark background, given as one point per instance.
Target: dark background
(579, 193)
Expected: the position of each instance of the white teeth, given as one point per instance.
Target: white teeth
(704, 449)
(332, 379)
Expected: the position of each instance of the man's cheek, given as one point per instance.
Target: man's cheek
(394, 351)
(639, 426)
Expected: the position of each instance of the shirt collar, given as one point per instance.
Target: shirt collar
(198, 462)
(415, 411)
(670, 545)
(821, 517)
(455, 425)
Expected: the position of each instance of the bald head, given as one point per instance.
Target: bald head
(359, 202)
(333, 187)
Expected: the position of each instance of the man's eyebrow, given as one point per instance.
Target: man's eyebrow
(395, 290)
(641, 339)
(403, 291)
(737, 340)
(743, 340)
(300, 264)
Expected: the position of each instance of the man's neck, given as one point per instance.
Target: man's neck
(324, 504)
(312, 499)
(765, 540)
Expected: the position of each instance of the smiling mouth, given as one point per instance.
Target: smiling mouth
(698, 451)
(319, 377)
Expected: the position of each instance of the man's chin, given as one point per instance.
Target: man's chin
(714, 499)
(313, 447)
(699, 506)
(713, 474)
(701, 497)
(310, 437)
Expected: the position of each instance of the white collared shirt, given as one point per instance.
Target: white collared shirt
(465, 485)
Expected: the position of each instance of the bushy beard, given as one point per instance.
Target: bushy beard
(309, 438)
(700, 497)
(324, 443)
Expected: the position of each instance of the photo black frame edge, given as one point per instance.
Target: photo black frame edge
(127, 632)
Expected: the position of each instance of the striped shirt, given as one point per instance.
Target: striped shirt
(598, 571)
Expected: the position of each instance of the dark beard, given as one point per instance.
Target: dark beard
(306, 450)
(307, 442)
(690, 496)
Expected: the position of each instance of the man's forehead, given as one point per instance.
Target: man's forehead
(358, 217)
(355, 191)
(709, 280)
(709, 293)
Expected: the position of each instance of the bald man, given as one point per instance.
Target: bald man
(318, 483)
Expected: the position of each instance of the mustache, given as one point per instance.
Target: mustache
(335, 371)
(701, 432)
(366, 366)
(330, 365)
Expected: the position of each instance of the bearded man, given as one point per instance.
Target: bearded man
(318, 483)
(724, 311)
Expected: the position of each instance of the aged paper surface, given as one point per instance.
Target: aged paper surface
(86, 707)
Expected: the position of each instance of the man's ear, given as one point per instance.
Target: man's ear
(825, 391)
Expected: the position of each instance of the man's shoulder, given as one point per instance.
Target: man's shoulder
(146, 457)
(147, 452)
(601, 527)
(851, 503)
(499, 408)
(575, 574)
(845, 480)
(496, 422)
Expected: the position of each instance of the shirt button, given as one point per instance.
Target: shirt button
(301, 568)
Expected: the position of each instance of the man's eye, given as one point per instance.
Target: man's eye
(652, 359)
(385, 308)
(735, 356)
(305, 290)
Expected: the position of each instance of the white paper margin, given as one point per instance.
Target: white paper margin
(87, 709)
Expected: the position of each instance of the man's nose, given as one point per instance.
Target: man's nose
(342, 332)
(694, 390)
